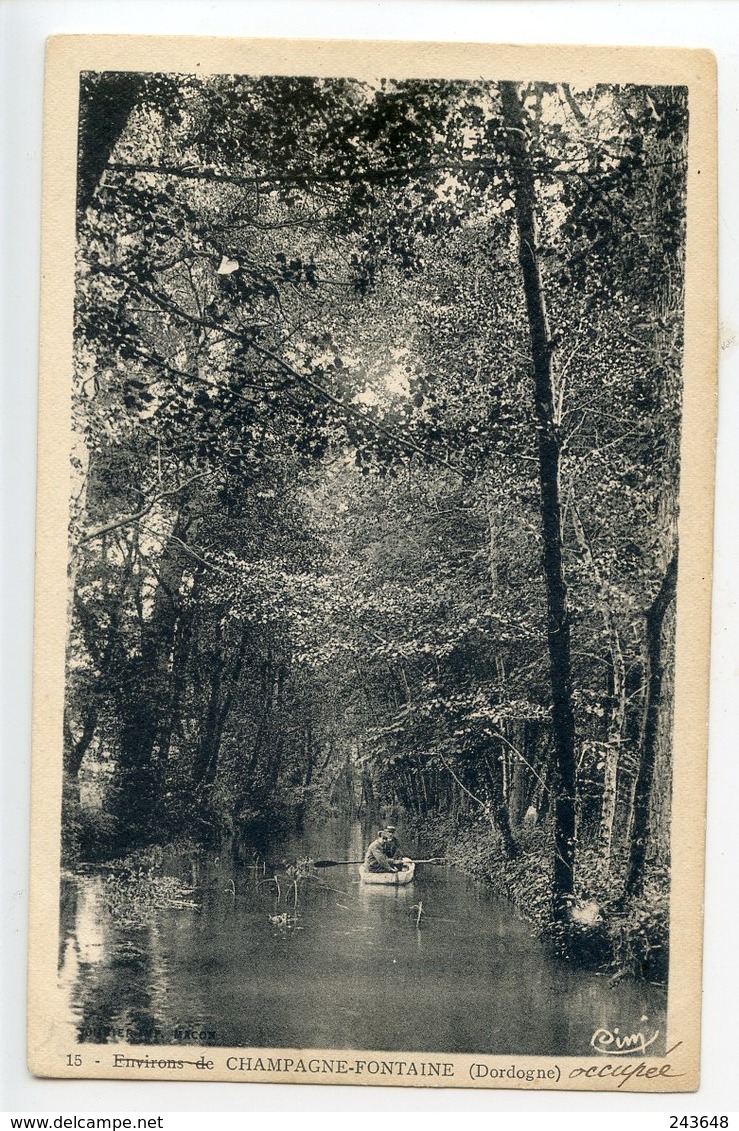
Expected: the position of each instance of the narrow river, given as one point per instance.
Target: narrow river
(350, 967)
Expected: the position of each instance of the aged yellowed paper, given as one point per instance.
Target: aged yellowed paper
(377, 398)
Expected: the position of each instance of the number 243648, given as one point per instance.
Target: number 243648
(699, 1121)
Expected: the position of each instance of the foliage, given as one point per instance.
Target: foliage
(640, 936)
(137, 886)
(307, 532)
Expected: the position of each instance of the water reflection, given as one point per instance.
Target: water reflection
(350, 966)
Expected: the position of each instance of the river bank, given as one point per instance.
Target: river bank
(626, 942)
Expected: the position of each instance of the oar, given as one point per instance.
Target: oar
(336, 863)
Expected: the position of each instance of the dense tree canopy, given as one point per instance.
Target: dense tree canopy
(377, 412)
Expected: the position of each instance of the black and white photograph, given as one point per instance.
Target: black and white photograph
(363, 765)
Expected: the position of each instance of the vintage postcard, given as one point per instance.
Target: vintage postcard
(376, 430)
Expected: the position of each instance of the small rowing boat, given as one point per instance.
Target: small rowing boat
(394, 879)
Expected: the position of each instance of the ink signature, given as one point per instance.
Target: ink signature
(611, 1042)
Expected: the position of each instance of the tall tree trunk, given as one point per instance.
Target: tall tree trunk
(655, 672)
(223, 685)
(277, 748)
(178, 681)
(494, 767)
(106, 102)
(617, 714)
(102, 646)
(141, 689)
(76, 748)
(158, 636)
(558, 617)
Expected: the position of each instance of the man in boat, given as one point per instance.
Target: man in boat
(376, 858)
(393, 850)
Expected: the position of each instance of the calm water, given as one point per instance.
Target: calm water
(351, 971)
